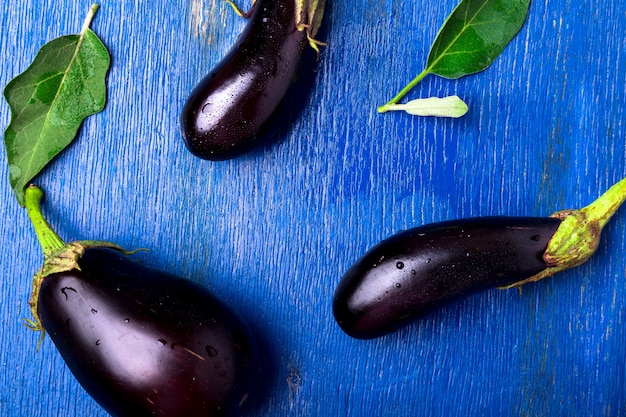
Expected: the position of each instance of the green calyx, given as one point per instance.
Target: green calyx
(48, 239)
(578, 236)
(309, 15)
(59, 256)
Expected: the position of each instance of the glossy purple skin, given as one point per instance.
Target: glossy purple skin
(145, 343)
(241, 103)
(416, 271)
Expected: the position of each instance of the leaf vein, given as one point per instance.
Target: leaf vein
(458, 36)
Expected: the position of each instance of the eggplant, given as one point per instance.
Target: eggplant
(419, 270)
(258, 86)
(140, 341)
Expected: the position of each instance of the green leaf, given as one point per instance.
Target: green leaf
(451, 106)
(64, 84)
(474, 35)
(471, 38)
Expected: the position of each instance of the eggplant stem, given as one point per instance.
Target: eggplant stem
(578, 236)
(59, 257)
(607, 204)
(48, 239)
(239, 12)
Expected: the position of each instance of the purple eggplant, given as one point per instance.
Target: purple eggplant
(140, 341)
(419, 270)
(254, 89)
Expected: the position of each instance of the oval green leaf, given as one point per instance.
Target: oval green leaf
(64, 84)
(474, 35)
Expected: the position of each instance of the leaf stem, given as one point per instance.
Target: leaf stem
(89, 18)
(385, 107)
(48, 239)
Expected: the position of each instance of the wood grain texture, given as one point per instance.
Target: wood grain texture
(273, 231)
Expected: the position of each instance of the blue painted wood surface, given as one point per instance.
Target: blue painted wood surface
(273, 231)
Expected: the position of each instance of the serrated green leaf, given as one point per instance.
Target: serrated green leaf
(64, 84)
(474, 35)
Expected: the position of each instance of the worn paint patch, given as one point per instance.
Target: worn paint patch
(556, 160)
(204, 18)
(294, 382)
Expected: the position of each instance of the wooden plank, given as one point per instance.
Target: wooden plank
(272, 232)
